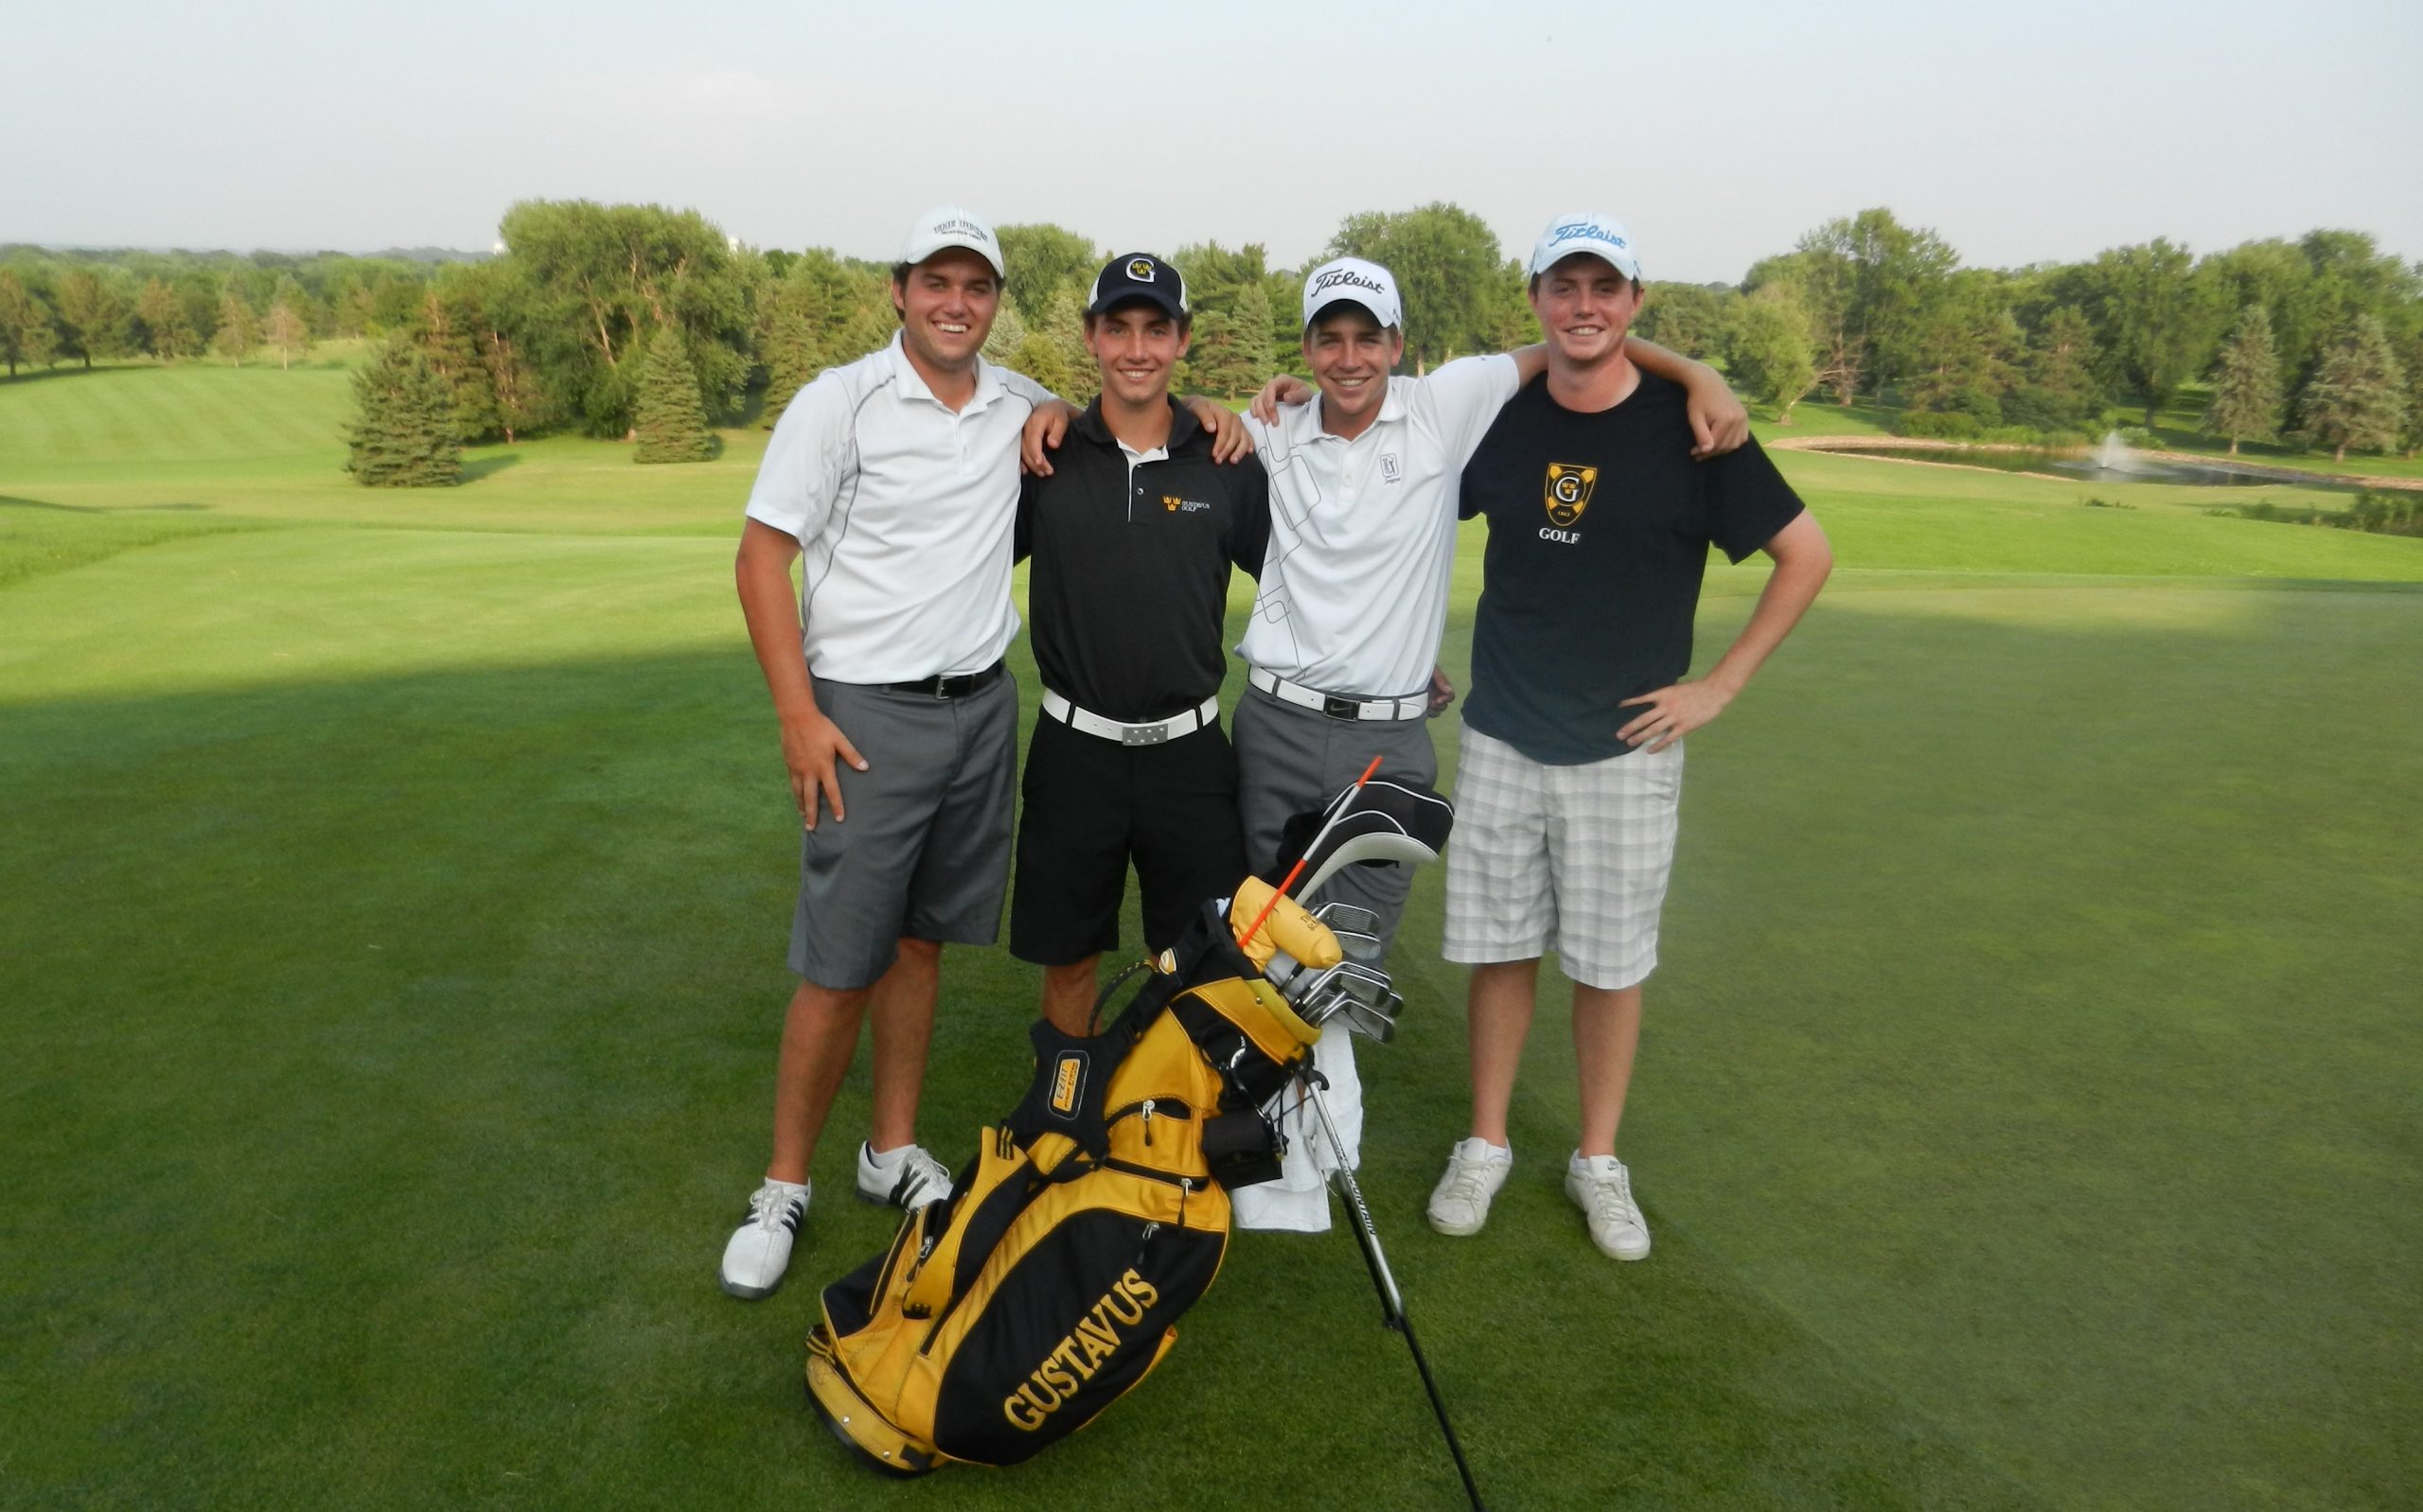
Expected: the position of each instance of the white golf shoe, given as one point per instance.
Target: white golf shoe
(1601, 1187)
(1475, 1168)
(905, 1178)
(760, 1249)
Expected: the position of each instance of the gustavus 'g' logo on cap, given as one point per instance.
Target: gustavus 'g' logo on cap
(1567, 491)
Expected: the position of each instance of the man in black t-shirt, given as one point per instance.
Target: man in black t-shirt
(1599, 525)
(1132, 534)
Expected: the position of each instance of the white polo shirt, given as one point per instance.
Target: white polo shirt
(904, 510)
(1363, 533)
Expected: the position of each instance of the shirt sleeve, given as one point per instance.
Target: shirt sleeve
(1249, 525)
(1022, 533)
(1460, 400)
(1747, 500)
(1013, 382)
(806, 461)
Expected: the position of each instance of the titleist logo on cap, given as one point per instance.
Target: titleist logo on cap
(1590, 229)
(1349, 277)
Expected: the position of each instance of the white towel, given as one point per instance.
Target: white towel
(1298, 1200)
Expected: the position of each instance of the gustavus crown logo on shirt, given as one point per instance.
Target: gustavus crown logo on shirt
(1567, 492)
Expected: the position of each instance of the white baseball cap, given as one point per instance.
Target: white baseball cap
(1353, 279)
(1589, 231)
(952, 225)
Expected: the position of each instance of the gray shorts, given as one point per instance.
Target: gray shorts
(925, 853)
(1572, 859)
(1290, 759)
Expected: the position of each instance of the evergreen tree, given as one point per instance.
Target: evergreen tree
(2358, 396)
(2061, 387)
(1053, 353)
(1008, 334)
(2246, 390)
(239, 330)
(789, 348)
(404, 434)
(446, 338)
(671, 424)
(2414, 366)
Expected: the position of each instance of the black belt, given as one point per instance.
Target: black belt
(959, 686)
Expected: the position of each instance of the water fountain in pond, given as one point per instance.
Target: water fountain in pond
(2111, 454)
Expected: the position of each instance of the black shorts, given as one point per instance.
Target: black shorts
(1091, 806)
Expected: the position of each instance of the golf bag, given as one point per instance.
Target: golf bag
(1006, 1315)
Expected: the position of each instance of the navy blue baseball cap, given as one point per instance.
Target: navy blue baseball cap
(1137, 276)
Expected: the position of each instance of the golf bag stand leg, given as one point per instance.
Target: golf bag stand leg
(1391, 1300)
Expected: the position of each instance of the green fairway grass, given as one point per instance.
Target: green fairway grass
(396, 888)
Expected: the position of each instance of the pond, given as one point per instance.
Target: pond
(2102, 466)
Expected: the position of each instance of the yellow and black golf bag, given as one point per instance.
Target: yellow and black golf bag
(1005, 1316)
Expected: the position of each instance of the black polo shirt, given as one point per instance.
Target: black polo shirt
(1599, 525)
(1129, 584)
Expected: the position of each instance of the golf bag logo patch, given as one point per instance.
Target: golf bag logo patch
(1568, 492)
(1067, 1082)
(1074, 1359)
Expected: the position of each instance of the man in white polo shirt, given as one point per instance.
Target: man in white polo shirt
(896, 478)
(1345, 631)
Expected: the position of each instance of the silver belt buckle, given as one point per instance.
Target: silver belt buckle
(1145, 735)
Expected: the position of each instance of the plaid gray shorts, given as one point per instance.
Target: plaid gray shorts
(1572, 859)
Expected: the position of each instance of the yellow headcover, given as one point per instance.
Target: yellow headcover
(1288, 928)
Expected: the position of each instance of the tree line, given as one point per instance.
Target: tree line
(2318, 340)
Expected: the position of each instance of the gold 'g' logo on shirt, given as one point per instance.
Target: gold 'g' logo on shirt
(1567, 491)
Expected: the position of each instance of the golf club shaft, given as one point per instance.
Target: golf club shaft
(1391, 1300)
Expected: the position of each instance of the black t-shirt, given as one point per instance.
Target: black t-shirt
(1129, 587)
(1599, 531)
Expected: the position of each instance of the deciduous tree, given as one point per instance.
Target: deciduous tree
(161, 316)
(26, 337)
(94, 312)
(1444, 260)
(239, 330)
(1043, 260)
(1769, 351)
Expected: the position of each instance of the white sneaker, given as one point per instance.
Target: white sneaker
(905, 1178)
(760, 1250)
(1601, 1187)
(1475, 1168)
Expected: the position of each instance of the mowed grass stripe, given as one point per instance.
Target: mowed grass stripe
(146, 413)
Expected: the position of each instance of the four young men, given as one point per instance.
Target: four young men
(894, 478)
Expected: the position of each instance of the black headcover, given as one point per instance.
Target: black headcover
(1379, 823)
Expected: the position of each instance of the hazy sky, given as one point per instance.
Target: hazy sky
(1719, 132)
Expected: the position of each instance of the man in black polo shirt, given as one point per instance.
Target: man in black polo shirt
(1132, 535)
(1571, 769)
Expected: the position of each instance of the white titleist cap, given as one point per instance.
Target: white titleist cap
(1352, 279)
(952, 225)
(1587, 231)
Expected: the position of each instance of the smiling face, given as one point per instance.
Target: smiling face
(1136, 345)
(1584, 306)
(946, 305)
(1350, 355)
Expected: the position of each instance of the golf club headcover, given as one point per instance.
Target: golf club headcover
(1288, 928)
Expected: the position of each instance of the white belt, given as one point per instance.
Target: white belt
(1185, 723)
(1303, 697)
